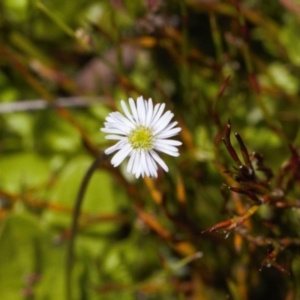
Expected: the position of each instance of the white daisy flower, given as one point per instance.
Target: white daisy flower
(140, 133)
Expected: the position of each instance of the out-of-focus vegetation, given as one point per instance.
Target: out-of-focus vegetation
(224, 222)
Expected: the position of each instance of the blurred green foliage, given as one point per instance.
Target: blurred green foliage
(209, 61)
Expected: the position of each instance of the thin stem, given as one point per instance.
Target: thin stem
(74, 225)
(216, 35)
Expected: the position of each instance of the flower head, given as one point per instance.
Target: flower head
(140, 132)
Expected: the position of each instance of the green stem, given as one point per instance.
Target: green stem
(217, 39)
(74, 226)
(64, 27)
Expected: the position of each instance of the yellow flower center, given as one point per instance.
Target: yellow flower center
(141, 138)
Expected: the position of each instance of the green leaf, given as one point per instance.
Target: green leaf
(22, 242)
(22, 170)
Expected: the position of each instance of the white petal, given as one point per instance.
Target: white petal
(138, 173)
(164, 146)
(170, 126)
(168, 142)
(113, 123)
(168, 133)
(119, 145)
(124, 120)
(141, 110)
(136, 162)
(111, 130)
(131, 161)
(119, 119)
(162, 122)
(121, 155)
(111, 149)
(159, 160)
(134, 111)
(144, 164)
(137, 170)
(115, 126)
(151, 165)
(111, 119)
(159, 113)
(156, 107)
(149, 112)
(167, 151)
(126, 111)
(113, 137)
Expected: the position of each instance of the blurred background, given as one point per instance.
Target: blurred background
(224, 222)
